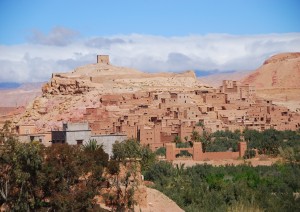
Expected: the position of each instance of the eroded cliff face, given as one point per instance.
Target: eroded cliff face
(65, 85)
(279, 71)
(278, 80)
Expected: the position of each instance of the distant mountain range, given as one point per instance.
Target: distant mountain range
(204, 73)
(9, 85)
(215, 79)
(16, 85)
(17, 94)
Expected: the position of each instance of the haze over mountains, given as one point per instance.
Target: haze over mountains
(15, 94)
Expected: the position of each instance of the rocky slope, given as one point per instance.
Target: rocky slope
(157, 201)
(278, 80)
(67, 95)
(111, 79)
(279, 71)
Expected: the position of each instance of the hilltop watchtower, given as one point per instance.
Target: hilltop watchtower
(104, 59)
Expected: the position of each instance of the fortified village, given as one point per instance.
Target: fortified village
(108, 103)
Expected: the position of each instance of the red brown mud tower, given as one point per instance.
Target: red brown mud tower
(104, 59)
(170, 151)
(242, 148)
(197, 151)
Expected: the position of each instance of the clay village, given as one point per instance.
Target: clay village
(109, 138)
(150, 106)
(108, 103)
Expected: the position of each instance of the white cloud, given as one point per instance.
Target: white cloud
(58, 36)
(36, 61)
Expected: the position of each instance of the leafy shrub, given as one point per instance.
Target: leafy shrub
(209, 188)
(184, 153)
(249, 153)
(161, 151)
(183, 145)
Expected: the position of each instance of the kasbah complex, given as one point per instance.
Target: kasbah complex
(157, 117)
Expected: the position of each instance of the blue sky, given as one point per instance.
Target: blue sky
(167, 35)
(156, 17)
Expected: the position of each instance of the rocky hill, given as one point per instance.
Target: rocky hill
(279, 71)
(112, 79)
(67, 95)
(278, 80)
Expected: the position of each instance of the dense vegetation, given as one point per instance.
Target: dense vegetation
(132, 149)
(266, 142)
(235, 188)
(229, 188)
(67, 178)
(56, 178)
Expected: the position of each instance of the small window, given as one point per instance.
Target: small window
(79, 142)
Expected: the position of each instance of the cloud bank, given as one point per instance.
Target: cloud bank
(62, 50)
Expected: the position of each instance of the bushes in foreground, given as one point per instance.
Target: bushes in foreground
(208, 188)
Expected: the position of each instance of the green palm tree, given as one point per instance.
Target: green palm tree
(92, 145)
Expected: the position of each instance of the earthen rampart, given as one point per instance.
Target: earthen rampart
(199, 155)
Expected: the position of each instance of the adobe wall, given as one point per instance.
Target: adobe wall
(26, 129)
(220, 155)
(199, 155)
(77, 126)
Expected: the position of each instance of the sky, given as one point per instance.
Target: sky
(38, 38)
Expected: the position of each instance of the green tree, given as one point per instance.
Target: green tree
(249, 153)
(131, 149)
(6, 132)
(20, 167)
(161, 151)
(92, 145)
(177, 139)
(271, 141)
(71, 177)
(195, 136)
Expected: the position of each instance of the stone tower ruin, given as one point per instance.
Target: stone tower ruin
(104, 59)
